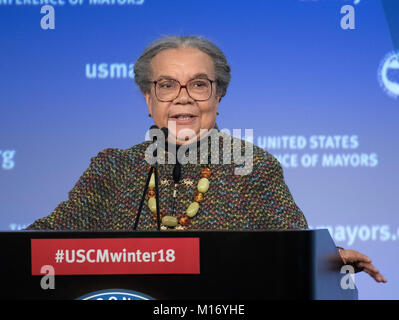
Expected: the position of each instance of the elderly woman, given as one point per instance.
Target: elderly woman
(183, 79)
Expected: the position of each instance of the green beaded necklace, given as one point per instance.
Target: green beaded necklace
(191, 211)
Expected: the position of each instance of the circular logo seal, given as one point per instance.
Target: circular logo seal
(388, 74)
(115, 294)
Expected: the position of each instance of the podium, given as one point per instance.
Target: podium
(203, 265)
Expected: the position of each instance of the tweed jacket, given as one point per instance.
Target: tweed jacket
(106, 197)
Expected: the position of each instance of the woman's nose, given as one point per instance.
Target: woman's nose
(183, 96)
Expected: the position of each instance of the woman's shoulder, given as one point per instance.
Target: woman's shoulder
(261, 158)
(264, 158)
(117, 159)
(135, 151)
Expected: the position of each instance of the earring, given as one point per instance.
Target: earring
(149, 115)
(217, 113)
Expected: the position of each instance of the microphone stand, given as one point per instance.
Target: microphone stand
(153, 169)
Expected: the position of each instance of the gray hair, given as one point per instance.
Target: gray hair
(142, 67)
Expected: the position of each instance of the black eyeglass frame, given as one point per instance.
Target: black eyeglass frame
(185, 86)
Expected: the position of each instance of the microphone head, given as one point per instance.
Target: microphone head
(153, 134)
(165, 132)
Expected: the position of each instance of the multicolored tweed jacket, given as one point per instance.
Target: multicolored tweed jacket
(107, 195)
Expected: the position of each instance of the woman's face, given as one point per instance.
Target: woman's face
(185, 115)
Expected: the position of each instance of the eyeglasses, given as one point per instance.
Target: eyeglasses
(199, 89)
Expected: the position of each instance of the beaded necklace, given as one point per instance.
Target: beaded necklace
(191, 211)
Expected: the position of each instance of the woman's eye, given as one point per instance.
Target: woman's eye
(165, 85)
(199, 84)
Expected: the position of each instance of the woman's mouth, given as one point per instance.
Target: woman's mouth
(183, 118)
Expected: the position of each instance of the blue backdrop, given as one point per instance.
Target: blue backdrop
(319, 87)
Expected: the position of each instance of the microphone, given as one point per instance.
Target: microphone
(155, 132)
(165, 132)
(154, 170)
(177, 171)
(177, 167)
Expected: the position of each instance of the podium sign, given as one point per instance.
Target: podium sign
(172, 265)
(116, 256)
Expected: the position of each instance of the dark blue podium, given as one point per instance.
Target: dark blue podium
(277, 265)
